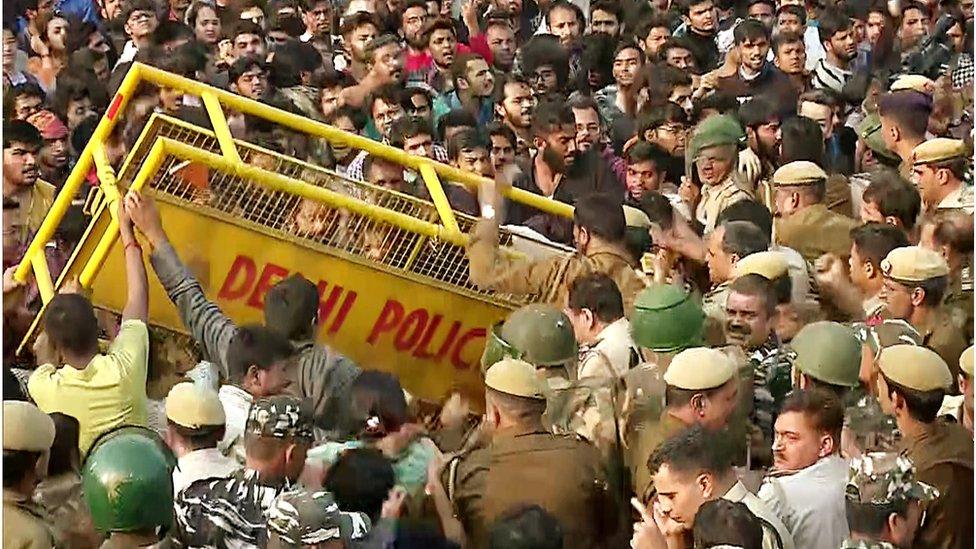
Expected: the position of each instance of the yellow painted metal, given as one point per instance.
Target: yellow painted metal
(45, 286)
(219, 124)
(439, 198)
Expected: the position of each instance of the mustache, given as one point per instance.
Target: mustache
(738, 329)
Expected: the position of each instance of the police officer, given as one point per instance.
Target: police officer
(939, 168)
(827, 355)
(710, 162)
(539, 334)
(133, 512)
(700, 387)
(524, 464)
(195, 424)
(804, 222)
(915, 282)
(28, 434)
(884, 502)
(277, 436)
(299, 518)
(912, 382)
(960, 408)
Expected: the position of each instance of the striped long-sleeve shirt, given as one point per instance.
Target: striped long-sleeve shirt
(828, 76)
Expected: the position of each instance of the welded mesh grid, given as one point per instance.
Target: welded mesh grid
(362, 236)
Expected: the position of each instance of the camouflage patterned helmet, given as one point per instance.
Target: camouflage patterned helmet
(124, 471)
(883, 478)
(539, 334)
(828, 352)
(666, 319)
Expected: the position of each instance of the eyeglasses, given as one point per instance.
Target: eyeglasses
(675, 129)
(139, 16)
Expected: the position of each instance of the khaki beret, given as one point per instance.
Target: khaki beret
(515, 377)
(913, 264)
(966, 361)
(771, 265)
(915, 367)
(913, 82)
(193, 406)
(798, 173)
(636, 218)
(937, 150)
(699, 368)
(26, 427)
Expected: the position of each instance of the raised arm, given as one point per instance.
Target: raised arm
(136, 282)
(202, 317)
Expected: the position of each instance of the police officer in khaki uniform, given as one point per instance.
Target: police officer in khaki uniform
(959, 408)
(804, 223)
(523, 464)
(710, 162)
(700, 388)
(939, 168)
(915, 283)
(28, 434)
(880, 485)
(910, 379)
(599, 232)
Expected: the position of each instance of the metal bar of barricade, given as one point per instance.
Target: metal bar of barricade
(219, 123)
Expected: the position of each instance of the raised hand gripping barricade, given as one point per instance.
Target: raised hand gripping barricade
(391, 268)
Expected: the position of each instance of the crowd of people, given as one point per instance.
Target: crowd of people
(762, 339)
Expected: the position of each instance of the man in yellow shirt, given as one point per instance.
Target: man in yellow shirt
(103, 391)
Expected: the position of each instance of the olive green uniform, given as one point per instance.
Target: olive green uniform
(551, 278)
(943, 455)
(562, 474)
(944, 336)
(814, 231)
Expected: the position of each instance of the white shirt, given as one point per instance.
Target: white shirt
(236, 403)
(739, 493)
(815, 49)
(613, 345)
(811, 502)
(200, 464)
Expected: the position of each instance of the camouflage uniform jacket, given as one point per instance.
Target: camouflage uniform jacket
(229, 512)
(550, 278)
(321, 375)
(772, 364)
(866, 544)
(867, 428)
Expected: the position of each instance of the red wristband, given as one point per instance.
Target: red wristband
(133, 244)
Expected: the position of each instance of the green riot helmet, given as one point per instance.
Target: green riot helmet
(828, 352)
(127, 480)
(666, 319)
(539, 334)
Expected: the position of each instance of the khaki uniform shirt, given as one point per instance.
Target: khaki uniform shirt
(550, 278)
(814, 231)
(713, 304)
(960, 199)
(716, 198)
(944, 336)
(562, 474)
(959, 301)
(24, 526)
(943, 457)
(63, 501)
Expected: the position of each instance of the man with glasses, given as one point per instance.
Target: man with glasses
(140, 22)
(667, 127)
(249, 77)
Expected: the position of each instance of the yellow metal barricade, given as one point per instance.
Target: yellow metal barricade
(390, 268)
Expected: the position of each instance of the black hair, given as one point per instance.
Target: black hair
(598, 293)
(661, 81)
(243, 64)
(822, 407)
(258, 346)
(953, 229)
(721, 102)
(245, 26)
(684, 6)
(923, 406)
(356, 116)
(465, 140)
(830, 22)
(391, 94)
(872, 518)
(748, 210)
(207, 436)
(909, 109)
(750, 30)
(545, 50)
(644, 151)
(596, 60)
(757, 285)
(658, 209)
(291, 307)
(793, 9)
(743, 238)
(137, 5)
(724, 522)
(23, 132)
(170, 31)
(361, 480)
(82, 133)
(193, 11)
(501, 130)
(609, 6)
(780, 39)
(802, 140)
(525, 527)
(29, 89)
(894, 196)
(379, 42)
(16, 465)
(410, 126)
(550, 116)
(569, 6)
(602, 215)
(327, 77)
(379, 405)
(655, 21)
(757, 111)
(455, 118)
(585, 102)
(439, 23)
(71, 325)
(875, 240)
(769, 3)
(694, 449)
(353, 21)
(651, 117)
(64, 456)
(303, 54)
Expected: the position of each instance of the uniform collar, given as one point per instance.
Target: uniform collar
(606, 248)
(11, 496)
